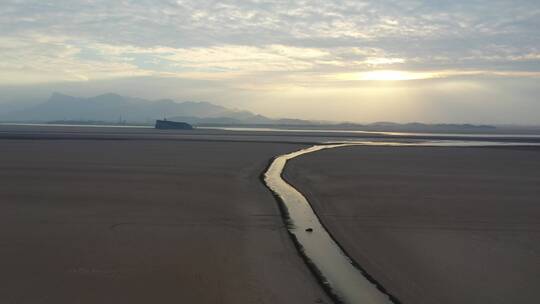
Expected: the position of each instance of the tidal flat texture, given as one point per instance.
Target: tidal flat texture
(138, 221)
(433, 225)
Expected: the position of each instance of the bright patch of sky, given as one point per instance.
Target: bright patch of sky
(250, 53)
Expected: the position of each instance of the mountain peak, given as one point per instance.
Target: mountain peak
(109, 95)
(108, 98)
(109, 107)
(57, 95)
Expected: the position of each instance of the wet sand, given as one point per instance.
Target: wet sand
(433, 225)
(144, 221)
(49, 132)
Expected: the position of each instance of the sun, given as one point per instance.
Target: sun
(391, 75)
(386, 75)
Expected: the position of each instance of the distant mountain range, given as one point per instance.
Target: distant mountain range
(113, 109)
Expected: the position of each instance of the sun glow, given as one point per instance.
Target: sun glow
(391, 75)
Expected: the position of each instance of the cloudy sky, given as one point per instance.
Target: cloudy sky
(433, 61)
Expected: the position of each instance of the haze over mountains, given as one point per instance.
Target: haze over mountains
(113, 108)
(116, 108)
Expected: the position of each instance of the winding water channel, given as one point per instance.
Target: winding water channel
(334, 268)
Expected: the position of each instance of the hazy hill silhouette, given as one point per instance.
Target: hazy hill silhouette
(113, 107)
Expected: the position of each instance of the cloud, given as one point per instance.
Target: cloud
(41, 58)
(165, 36)
(262, 45)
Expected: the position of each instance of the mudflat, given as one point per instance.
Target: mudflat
(144, 221)
(433, 225)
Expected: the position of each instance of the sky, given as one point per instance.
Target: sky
(460, 61)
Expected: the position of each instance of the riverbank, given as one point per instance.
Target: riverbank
(432, 225)
(326, 259)
(144, 221)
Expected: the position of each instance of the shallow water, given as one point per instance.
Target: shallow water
(346, 282)
(402, 134)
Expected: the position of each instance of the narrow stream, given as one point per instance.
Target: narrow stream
(344, 281)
